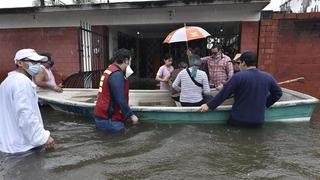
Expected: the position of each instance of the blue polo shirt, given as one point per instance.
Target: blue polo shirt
(254, 91)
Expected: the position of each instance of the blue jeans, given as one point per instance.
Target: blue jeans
(109, 126)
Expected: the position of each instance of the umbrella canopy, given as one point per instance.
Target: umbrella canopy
(186, 33)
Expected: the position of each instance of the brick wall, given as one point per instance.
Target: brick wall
(60, 42)
(289, 48)
(249, 36)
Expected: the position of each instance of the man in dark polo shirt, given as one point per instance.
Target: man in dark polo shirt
(253, 90)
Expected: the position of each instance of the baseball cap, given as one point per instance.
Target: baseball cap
(30, 54)
(237, 57)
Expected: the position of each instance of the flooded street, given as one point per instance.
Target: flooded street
(164, 151)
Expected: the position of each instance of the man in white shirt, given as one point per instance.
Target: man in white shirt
(21, 126)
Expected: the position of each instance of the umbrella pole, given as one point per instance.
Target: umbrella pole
(185, 26)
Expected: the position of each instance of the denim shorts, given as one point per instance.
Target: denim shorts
(109, 126)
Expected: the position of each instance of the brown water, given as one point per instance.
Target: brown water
(164, 151)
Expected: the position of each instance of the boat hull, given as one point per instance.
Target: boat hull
(290, 111)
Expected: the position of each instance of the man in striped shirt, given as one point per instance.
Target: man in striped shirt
(219, 67)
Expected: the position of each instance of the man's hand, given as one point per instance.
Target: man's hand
(166, 79)
(50, 143)
(204, 108)
(134, 119)
(219, 87)
(57, 89)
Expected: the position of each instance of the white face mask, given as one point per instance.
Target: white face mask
(33, 69)
(129, 71)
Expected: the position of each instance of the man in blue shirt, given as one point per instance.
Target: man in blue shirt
(253, 90)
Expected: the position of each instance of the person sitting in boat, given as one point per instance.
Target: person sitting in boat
(192, 83)
(163, 74)
(112, 109)
(45, 78)
(253, 90)
(174, 93)
(20, 119)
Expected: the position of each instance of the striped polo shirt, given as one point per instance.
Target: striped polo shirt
(190, 92)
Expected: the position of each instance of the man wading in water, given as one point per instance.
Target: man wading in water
(253, 90)
(112, 109)
(21, 126)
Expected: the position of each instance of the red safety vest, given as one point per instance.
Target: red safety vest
(103, 103)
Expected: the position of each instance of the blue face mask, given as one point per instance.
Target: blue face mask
(33, 69)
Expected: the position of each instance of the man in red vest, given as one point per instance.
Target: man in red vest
(112, 109)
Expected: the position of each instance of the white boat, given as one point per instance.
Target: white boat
(157, 105)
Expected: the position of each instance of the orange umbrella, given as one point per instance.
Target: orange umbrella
(186, 33)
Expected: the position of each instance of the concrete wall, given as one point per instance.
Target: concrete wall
(289, 48)
(167, 15)
(60, 42)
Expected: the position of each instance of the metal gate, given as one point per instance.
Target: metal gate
(91, 49)
(92, 58)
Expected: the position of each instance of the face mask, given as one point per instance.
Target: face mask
(33, 69)
(129, 71)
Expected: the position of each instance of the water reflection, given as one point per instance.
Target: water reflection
(171, 151)
(27, 165)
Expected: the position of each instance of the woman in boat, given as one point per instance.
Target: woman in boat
(192, 83)
(164, 72)
(253, 90)
(45, 78)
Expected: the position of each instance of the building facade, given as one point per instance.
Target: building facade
(82, 38)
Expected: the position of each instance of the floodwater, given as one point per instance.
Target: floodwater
(169, 151)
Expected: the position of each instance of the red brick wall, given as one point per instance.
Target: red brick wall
(289, 48)
(60, 42)
(249, 36)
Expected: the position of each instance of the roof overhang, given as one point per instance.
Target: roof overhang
(134, 13)
(260, 4)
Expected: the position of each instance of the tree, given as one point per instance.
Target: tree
(83, 1)
(44, 3)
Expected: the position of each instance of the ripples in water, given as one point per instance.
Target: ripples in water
(169, 151)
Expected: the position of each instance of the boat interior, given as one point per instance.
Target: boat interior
(141, 97)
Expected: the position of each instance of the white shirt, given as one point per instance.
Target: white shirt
(21, 126)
